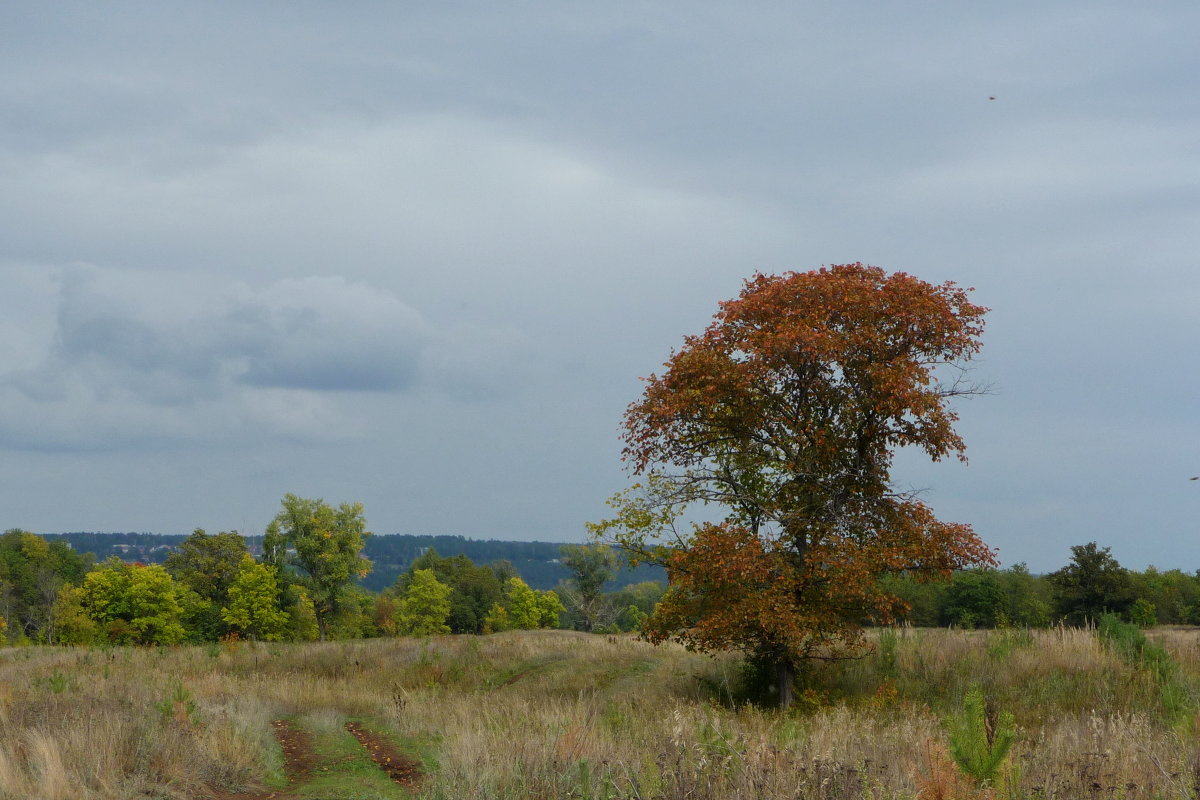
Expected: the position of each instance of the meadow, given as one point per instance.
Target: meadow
(558, 714)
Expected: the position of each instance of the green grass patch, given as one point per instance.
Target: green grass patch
(635, 671)
(344, 770)
(522, 671)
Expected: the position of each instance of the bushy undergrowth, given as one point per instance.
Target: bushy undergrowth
(1176, 690)
(555, 714)
(1130, 642)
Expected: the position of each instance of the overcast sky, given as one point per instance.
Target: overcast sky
(418, 255)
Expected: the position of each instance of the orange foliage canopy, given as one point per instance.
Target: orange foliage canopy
(787, 411)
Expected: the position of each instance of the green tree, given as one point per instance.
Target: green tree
(302, 616)
(524, 608)
(921, 600)
(253, 602)
(497, 619)
(324, 545)
(156, 606)
(979, 746)
(474, 588)
(207, 565)
(1029, 596)
(1143, 613)
(1093, 584)
(975, 599)
(355, 616)
(71, 621)
(1173, 593)
(138, 604)
(637, 601)
(632, 618)
(591, 566)
(524, 611)
(33, 572)
(550, 608)
(425, 606)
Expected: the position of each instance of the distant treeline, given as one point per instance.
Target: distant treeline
(537, 563)
(206, 587)
(149, 588)
(1091, 585)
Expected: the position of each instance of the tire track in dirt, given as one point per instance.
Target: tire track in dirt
(300, 761)
(399, 767)
(299, 756)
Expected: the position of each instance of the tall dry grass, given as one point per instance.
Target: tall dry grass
(556, 714)
(84, 724)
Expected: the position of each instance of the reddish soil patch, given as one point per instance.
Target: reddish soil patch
(399, 767)
(299, 760)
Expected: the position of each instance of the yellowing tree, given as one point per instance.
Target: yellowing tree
(424, 608)
(786, 412)
(134, 603)
(524, 608)
(72, 622)
(550, 608)
(254, 602)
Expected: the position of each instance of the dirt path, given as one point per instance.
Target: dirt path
(399, 767)
(299, 760)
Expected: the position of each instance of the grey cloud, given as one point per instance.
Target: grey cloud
(139, 357)
(321, 334)
(325, 334)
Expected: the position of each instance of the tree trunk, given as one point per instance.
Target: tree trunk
(785, 682)
(321, 626)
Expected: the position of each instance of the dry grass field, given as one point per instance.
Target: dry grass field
(553, 714)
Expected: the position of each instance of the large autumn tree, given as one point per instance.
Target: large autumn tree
(787, 413)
